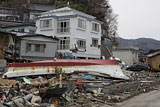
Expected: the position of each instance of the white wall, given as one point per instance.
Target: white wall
(47, 32)
(87, 35)
(26, 28)
(50, 49)
(128, 56)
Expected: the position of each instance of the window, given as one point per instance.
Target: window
(21, 30)
(81, 44)
(63, 26)
(95, 27)
(82, 23)
(64, 43)
(46, 23)
(31, 47)
(28, 47)
(37, 47)
(95, 42)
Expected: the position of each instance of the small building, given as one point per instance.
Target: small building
(8, 14)
(142, 56)
(153, 59)
(34, 47)
(74, 29)
(128, 55)
(37, 47)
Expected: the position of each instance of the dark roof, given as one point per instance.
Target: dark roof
(40, 35)
(41, 7)
(6, 33)
(127, 48)
(4, 23)
(19, 25)
(154, 53)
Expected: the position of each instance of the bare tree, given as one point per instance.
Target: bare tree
(104, 12)
(21, 7)
(110, 21)
(109, 28)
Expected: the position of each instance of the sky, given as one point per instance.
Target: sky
(137, 18)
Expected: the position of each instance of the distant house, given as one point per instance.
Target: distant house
(75, 30)
(153, 59)
(128, 55)
(30, 12)
(8, 14)
(20, 29)
(142, 56)
(38, 47)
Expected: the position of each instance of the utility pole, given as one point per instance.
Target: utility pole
(2, 61)
(2, 38)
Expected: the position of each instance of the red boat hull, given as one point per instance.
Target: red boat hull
(106, 67)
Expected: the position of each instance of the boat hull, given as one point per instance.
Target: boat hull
(107, 67)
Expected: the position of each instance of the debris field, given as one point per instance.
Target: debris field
(78, 89)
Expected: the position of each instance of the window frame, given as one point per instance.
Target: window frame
(63, 25)
(44, 25)
(82, 23)
(93, 45)
(32, 48)
(95, 27)
(64, 43)
(81, 44)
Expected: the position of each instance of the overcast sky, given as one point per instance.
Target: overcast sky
(137, 18)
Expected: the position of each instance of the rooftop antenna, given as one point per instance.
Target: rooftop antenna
(68, 4)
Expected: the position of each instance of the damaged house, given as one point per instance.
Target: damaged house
(6, 48)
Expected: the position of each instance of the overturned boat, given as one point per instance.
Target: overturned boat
(106, 67)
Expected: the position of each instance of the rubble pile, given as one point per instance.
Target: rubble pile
(74, 90)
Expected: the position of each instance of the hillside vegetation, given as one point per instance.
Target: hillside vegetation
(101, 9)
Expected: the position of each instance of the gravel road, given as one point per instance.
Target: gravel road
(150, 99)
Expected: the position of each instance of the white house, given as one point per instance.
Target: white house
(74, 29)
